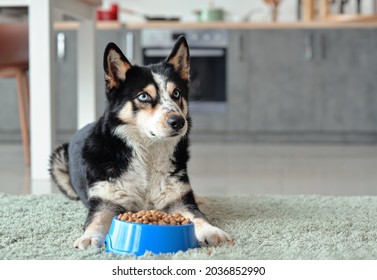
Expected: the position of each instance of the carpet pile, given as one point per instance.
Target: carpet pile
(263, 227)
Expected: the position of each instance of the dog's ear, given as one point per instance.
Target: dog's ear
(115, 65)
(180, 58)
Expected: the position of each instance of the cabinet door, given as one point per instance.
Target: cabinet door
(131, 45)
(237, 71)
(66, 77)
(66, 83)
(347, 80)
(103, 37)
(280, 81)
(9, 119)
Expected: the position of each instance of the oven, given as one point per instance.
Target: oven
(208, 51)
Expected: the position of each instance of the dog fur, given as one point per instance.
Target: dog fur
(135, 156)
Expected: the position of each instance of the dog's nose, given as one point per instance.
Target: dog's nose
(176, 122)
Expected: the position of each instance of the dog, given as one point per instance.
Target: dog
(135, 156)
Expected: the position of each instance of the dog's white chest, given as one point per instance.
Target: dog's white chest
(148, 172)
(147, 180)
(147, 183)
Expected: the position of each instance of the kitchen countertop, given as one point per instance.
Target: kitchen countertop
(247, 25)
(72, 25)
(219, 25)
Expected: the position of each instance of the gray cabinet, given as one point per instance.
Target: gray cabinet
(347, 71)
(103, 37)
(288, 84)
(66, 79)
(281, 81)
(238, 73)
(304, 84)
(131, 45)
(66, 84)
(9, 119)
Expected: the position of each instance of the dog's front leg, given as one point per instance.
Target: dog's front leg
(204, 231)
(97, 222)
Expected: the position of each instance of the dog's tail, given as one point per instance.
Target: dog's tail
(60, 173)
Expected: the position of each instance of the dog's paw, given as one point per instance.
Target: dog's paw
(89, 240)
(211, 235)
(200, 200)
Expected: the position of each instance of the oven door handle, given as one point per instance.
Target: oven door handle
(193, 52)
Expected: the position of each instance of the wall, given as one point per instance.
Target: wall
(236, 9)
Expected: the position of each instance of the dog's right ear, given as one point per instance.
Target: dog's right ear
(115, 65)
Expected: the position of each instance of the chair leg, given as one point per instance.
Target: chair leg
(23, 117)
(27, 96)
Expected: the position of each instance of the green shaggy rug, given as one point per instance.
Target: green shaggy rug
(263, 227)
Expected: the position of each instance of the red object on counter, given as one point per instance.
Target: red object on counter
(110, 14)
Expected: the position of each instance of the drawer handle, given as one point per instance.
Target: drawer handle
(308, 53)
(61, 46)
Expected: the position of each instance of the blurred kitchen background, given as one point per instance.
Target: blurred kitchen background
(284, 93)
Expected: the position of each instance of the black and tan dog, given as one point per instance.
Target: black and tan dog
(135, 156)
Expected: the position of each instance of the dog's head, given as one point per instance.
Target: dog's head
(149, 100)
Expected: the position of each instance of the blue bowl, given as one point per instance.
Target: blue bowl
(133, 238)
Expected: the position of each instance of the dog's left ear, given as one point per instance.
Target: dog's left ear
(115, 65)
(180, 58)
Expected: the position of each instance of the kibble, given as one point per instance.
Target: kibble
(154, 217)
(231, 243)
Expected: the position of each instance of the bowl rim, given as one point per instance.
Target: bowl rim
(140, 224)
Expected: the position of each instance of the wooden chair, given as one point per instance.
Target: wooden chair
(14, 63)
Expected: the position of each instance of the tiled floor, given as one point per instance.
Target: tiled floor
(227, 169)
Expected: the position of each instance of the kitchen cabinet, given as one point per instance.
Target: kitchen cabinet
(66, 78)
(131, 45)
(66, 72)
(281, 81)
(65, 89)
(303, 84)
(9, 118)
(284, 85)
(346, 71)
(103, 38)
(66, 83)
(238, 73)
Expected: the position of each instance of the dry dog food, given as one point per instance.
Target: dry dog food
(154, 217)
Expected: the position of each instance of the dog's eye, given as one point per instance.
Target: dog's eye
(176, 94)
(144, 97)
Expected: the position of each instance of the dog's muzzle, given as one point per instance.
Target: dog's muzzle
(176, 122)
